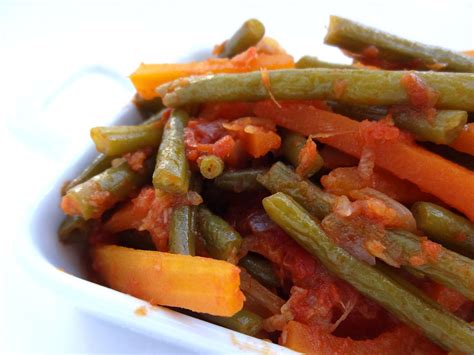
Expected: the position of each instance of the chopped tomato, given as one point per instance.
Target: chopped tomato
(314, 340)
(308, 158)
(420, 94)
(137, 158)
(341, 181)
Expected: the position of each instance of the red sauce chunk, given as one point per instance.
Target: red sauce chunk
(419, 93)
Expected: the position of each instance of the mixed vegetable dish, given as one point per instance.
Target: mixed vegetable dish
(325, 207)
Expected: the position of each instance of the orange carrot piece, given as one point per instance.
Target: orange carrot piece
(258, 141)
(313, 340)
(440, 177)
(470, 53)
(191, 282)
(465, 141)
(257, 134)
(148, 76)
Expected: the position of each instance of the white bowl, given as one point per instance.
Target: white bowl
(59, 268)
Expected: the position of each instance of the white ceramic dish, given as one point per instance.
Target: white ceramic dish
(59, 268)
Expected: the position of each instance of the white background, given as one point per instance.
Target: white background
(63, 69)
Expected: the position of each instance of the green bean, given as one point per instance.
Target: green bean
(255, 292)
(260, 269)
(354, 37)
(239, 180)
(147, 107)
(442, 129)
(243, 321)
(182, 235)
(446, 267)
(395, 275)
(222, 241)
(93, 197)
(74, 229)
(291, 146)
(172, 172)
(248, 35)
(313, 62)
(210, 166)
(446, 227)
(450, 269)
(118, 140)
(98, 165)
(363, 87)
(443, 328)
(281, 178)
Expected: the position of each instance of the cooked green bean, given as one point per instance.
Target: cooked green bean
(291, 146)
(313, 62)
(222, 241)
(118, 140)
(443, 328)
(450, 269)
(98, 165)
(446, 267)
(74, 229)
(248, 35)
(210, 166)
(260, 269)
(239, 180)
(364, 87)
(446, 227)
(172, 172)
(93, 197)
(281, 178)
(354, 37)
(395, 275)
(147, 107)
(243, 321)
(182, 235)
(442, 129)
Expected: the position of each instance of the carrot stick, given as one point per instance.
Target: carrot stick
(446, 180)
(148, 76)
(465, 141)
(191, 282)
